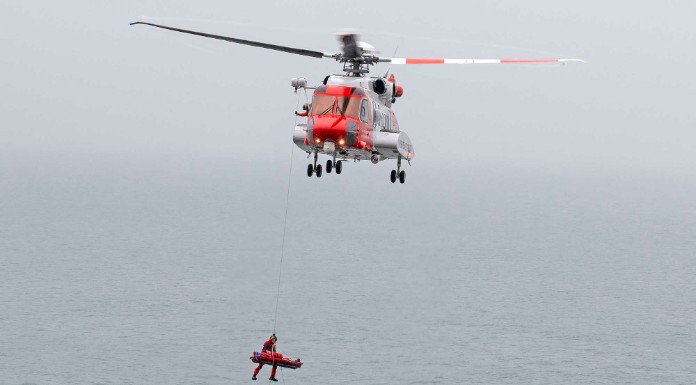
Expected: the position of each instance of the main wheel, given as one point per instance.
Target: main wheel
(339, 167)
(402, 176)
(329, 166)
(318, 171)
(393, 176)
(310, 170)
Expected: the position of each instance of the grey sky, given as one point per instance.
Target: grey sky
(77, 79)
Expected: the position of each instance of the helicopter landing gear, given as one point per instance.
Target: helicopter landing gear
(398, 172)
(333, 164)
(314, 168)
(338, 165)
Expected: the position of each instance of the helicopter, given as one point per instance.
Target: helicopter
(350, 116)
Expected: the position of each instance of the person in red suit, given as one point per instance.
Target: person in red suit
(305, 111)
(270, 346)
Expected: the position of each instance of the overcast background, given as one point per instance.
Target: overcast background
(545, 234)
(78, 80)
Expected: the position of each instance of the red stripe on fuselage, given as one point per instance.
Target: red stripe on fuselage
(328, 127)
(342, 91)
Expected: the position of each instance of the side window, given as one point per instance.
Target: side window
(375, 118)
(363, 111)
(394, 123)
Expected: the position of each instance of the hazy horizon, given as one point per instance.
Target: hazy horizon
(545, 233)
(79, 79)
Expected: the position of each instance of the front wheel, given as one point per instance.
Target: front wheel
(318, 171)
(339, 167)
(329, 166)
(402, 176)
(392, 177)
(310, 170)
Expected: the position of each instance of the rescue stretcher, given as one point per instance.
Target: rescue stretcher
(275, 358)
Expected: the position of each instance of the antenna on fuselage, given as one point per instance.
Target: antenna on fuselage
(389, 68)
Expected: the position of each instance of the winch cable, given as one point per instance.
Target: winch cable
(285, 222)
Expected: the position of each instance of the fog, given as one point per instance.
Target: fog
(79, 82)
(545, 232)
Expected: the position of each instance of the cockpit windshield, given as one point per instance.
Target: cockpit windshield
(323, 104)
(345, 106)
(349, 107)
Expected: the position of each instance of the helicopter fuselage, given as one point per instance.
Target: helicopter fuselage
(351, 118)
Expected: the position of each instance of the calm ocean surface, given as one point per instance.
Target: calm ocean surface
(165, 272)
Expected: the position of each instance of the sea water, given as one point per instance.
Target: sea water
(165, 271)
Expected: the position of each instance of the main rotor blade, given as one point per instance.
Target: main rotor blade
(274, 47)
(395, 60)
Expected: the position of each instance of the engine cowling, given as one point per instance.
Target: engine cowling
(379, 86)
(398, 90)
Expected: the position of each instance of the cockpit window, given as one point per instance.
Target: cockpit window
(323, 104)
(345, 106)
(349, 107)
(363, 111)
